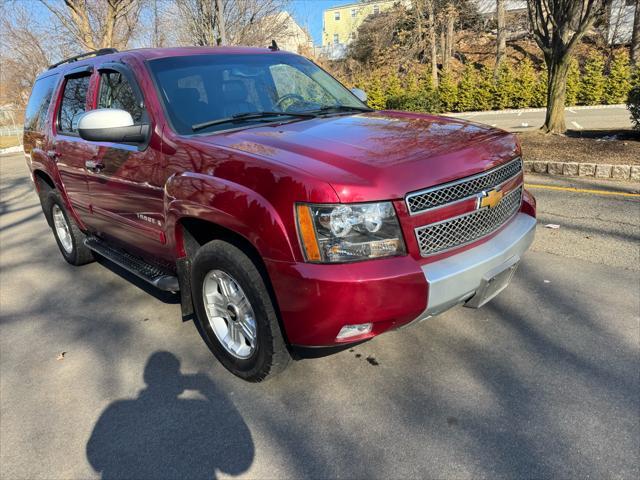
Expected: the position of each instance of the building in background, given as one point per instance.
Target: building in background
(291, 36)
(340, 24)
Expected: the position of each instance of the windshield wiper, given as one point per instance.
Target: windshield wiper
(343, 108)
(248, 116)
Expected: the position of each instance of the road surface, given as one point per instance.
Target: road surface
(577, 118)
(542, 382)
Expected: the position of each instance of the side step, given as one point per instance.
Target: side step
(147, 272)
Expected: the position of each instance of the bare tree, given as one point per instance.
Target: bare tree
(558, 27)
(96, 24)
(28, 48)
(245, 22)
(635, 38)
(198, 21)
(501, 40)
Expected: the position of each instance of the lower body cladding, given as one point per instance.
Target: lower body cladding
(317, 302)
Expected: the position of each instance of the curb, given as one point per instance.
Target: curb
(575, 169)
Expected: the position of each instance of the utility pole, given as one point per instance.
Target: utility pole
(222, 32)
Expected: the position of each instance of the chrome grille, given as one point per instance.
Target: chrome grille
(458, 231)
(418, 202)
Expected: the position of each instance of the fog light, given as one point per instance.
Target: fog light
(349, 331)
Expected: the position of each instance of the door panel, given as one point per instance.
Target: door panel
(127, 193)
(68, 150)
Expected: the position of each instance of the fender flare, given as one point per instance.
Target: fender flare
(231, 206)
(46, 166)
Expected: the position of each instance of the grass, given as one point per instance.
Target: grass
(616, 147)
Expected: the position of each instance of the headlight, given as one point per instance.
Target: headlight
(349, 232)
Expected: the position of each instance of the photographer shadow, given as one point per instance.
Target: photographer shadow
(158, 435)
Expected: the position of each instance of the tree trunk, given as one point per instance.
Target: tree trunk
(221, 25)
(501, 40)
(443, 49)
(635, 39)
(433, 44)
(449, 39)
(557, 88)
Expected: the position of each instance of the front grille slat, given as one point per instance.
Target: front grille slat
(423, 200)
(462, 230)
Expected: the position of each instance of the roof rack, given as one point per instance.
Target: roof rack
(102, 51)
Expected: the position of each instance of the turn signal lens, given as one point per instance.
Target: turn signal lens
(307, 233)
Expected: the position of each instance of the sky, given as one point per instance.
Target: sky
(308, 14)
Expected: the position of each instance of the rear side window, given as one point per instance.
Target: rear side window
(36, 113)
(116, 92)
(74, 104)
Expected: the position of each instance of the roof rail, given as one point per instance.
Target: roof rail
(102, 51)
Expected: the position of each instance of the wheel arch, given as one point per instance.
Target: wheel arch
(192, 233)
(44, 176)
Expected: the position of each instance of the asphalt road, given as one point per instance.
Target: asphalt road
(541, 383)
(577, 118)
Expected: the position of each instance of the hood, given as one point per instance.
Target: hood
(378, 155)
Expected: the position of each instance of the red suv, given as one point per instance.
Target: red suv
(289, 215)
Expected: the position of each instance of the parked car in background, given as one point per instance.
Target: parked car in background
(288, 214)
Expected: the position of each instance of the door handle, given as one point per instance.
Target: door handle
(93, 165)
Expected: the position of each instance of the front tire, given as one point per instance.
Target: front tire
(235, 314)
(69, 237)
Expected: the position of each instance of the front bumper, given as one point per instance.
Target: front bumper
(456, 279)
(316, 301)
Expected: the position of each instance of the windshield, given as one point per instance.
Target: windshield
(200, 89)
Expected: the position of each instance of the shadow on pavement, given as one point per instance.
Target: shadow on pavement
(159, 435)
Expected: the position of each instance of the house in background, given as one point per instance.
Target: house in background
(291, 36)
(340, 24)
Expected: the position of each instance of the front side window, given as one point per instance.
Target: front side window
(74, 103)
(202, 88)
(36, 113)
(116, 92)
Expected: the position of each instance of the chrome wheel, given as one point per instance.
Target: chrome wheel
(229, 313)
(62, 228)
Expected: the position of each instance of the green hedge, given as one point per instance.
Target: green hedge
(478, 88)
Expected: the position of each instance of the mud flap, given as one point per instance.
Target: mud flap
(184, 279)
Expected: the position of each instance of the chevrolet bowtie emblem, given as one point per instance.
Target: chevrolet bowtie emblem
(489, 199)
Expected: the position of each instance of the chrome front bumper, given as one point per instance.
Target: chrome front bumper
(456, 279)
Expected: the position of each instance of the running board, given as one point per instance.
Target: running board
(147, 272)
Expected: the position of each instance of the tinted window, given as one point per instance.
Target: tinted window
(200, 88)
(116, 92)
(73, 105)
(36, 113)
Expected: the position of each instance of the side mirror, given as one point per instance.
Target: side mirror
(361, 94)
(111, 125)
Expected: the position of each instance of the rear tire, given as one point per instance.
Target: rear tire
(235, 314)
(69, 237)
